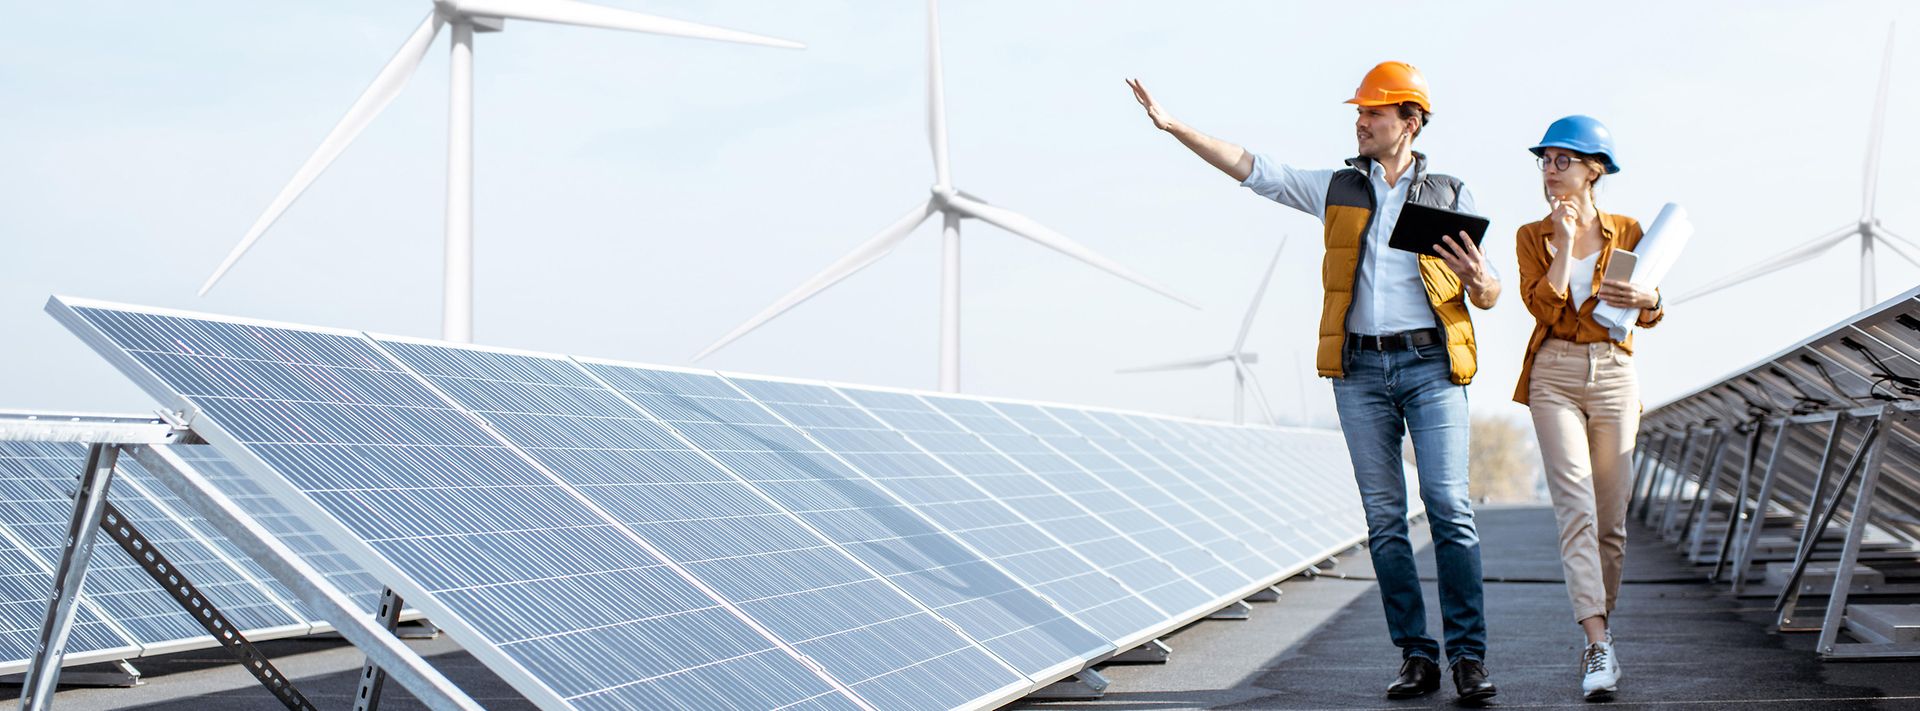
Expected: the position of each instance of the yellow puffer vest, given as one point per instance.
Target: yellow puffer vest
(1350, 211)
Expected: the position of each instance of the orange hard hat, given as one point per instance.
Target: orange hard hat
(1392, 83)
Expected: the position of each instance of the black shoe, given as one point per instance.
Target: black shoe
(1419, 676)
(1470, 681)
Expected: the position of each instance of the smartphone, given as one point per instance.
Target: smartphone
(1620, 265)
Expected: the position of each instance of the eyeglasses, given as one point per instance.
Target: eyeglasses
(1559, 162)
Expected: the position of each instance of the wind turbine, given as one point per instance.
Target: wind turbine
(466, 17)
(1868, 228)
(952, 205)
(1244, 381)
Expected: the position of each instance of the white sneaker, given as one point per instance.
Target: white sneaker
(1602, 671)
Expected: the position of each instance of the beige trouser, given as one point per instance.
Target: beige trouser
(1585, 401)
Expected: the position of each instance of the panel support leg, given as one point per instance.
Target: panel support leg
(89, 503)
(405, 665)
(1850, 551)
(1757, 521)
(1817, 521)
(372, 678)
(201, 609)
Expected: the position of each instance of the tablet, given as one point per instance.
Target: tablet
(1421, 227)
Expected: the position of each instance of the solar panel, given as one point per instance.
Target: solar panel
(1311, 470)
(608, 535)
(34, 511)
(986, 604)
(1109, 612)
(339, 570)
(122, 612)
(1164, 510)
(524, 573)
(863, 631)
(1287, 516)
(1852, 384)
(1173, 595)
(1032, 453)
(1196, 486)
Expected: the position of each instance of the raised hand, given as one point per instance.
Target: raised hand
(1566, 221)
(1159, 116)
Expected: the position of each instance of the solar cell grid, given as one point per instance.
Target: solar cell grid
(1060, 515)
(988, 606)
(1184, 530)
(1228, 533)
(523, 573)
(995, 531)
(28, 556)
(1293, 493)
(784, 576)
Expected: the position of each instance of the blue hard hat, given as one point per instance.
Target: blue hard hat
(1583, 134)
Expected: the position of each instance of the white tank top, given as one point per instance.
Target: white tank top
(1580, 282)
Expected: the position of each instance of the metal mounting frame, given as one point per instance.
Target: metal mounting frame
(149, 445)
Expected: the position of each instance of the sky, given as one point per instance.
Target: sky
(639, 196)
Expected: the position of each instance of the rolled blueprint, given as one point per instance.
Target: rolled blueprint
(1656, 253)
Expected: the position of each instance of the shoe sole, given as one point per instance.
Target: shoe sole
(1398, 695)
(1478, 697)
(1601, 694)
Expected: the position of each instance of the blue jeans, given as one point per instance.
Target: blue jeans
(1384, 395)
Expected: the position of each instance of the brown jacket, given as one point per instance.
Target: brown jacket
(1554, 315)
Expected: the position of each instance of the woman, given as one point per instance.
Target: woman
(1577, 381)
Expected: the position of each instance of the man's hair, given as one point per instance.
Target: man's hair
(1409, 110)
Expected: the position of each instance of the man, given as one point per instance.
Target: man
(1396, 339)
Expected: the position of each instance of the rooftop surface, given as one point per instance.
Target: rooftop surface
(1682, 644)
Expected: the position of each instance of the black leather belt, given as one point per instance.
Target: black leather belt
(1404, 340)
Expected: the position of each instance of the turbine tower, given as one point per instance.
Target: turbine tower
(1867, 228)
(1244, 381)
(466, 17)
(952, 205)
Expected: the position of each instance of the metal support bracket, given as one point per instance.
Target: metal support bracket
(1738, 511)
(1084, 685)
(201, 609)
(404, 665)
(89, 503)
(372, 678)
(1819, 518)
(1153, 652)
(1856, 532)
(1699, 512)
(1757, 518)
(1266, 594)
(1236, 611)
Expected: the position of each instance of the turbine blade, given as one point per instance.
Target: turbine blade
(1258, 391)
(1774, 264)
(936, 99)
(867, 253)
(1025, 227)
(571, 12)
(1246, 324)
(1898, 244)
(1871, 181)
(1884, 233)
(385, 87)
(1189, 364)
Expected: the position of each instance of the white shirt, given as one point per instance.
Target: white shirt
(1580, 287)
(1388, 296)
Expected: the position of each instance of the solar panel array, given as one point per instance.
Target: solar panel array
(609, 535)
(121, 612)
(1864, 362)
